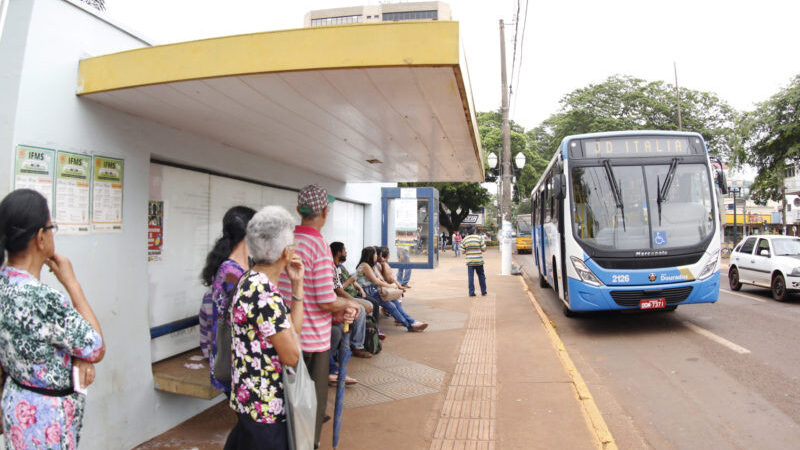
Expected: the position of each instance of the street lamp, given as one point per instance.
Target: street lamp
(519, 160)
(492, 159)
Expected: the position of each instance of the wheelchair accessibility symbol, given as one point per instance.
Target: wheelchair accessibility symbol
(660, 238)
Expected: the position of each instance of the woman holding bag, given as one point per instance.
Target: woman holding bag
(264, 333)
(372, 285)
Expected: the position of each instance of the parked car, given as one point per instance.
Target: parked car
(769, 261)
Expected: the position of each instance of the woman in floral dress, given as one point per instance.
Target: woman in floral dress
(263, 331)
(224, 265)
(43, 333)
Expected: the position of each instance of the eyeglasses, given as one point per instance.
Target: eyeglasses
(53, 227)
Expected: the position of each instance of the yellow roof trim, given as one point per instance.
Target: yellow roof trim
(431, 43)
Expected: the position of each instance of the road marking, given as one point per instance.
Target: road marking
(591, 412)
(718, 339)
(744, 295)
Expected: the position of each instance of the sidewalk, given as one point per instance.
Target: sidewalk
(483, 375)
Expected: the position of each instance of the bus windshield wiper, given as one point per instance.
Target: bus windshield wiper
(663, 190)
(612, 180)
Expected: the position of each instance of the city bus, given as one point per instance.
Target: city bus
(628, 220)
(522, 226)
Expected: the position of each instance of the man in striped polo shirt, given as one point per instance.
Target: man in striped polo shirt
(474, 246)
(320, 300)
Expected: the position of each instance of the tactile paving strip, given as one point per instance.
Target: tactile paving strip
(468, 415)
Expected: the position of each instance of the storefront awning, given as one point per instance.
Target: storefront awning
(371, 102)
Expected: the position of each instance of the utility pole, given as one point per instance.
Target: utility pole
(677, 96)
(505, 168)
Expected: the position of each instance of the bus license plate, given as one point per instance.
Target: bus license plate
(653, 303)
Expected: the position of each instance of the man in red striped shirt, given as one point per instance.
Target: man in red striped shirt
(320, 300)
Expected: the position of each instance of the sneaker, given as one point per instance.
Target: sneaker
(472, 295)
(483, 294)
(361, 353)
(418, 327)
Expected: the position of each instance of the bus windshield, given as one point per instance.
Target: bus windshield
(524, 225)
(684, 217)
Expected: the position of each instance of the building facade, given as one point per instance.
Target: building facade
(386, 12)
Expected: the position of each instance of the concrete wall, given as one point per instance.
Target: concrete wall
(42, 43)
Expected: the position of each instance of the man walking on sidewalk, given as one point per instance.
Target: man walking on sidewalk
(474, 246)
(320, 299)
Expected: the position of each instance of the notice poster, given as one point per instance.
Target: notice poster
(405, 214)
(73, 178)
(155, 230)
(34, 168)
(107, 194)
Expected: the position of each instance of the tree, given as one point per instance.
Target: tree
(771, 139)
(627, 103)
(456, 200)
(99, 5)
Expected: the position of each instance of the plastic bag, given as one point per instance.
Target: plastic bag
(301, 405)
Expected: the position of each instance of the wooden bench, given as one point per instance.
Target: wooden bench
(172, 375)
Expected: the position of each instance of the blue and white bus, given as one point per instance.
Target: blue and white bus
(628, 220)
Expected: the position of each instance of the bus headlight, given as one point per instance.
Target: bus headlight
(584, 272)
(710, 267)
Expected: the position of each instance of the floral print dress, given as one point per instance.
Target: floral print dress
(215, 303)
(258, 313)
(40, 333)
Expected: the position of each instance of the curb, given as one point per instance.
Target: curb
(594, 419)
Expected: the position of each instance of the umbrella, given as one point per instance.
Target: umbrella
(344, 356)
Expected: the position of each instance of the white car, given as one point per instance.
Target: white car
(769, 261)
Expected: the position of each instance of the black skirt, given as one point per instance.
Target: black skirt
(251, 435)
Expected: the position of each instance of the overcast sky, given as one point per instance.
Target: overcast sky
(743, 51)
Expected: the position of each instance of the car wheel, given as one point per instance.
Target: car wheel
(778, 288)
(733, 279)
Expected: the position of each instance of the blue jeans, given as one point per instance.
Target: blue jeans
(403, 275)
(358, 329)
(481, 278)
(457, 248)
(395, 308)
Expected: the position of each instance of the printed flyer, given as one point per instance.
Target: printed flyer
(34, 168)
(107, 194)
(155, 230)
(73, 177)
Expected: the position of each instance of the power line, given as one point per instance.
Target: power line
(521, 54)
(514, 52)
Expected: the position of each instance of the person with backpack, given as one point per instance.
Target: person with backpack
(225, 264)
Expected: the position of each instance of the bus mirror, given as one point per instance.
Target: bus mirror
(559, 188)
(722, 182)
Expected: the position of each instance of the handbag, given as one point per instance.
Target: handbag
(222, 361)
(300, 404)
(389, 294)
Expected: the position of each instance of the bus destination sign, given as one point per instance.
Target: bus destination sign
(634, 146)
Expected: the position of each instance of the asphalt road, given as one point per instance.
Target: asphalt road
(722, 375)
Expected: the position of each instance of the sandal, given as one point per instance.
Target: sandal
(333, 379)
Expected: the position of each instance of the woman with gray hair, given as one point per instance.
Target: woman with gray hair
(263, 332)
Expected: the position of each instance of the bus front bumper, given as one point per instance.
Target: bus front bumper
(584, 297)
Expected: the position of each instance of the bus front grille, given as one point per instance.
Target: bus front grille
(632, 298)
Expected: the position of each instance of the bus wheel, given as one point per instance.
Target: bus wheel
(555, 276)
(733, 279)
(542, 280)
(778, 288)
(568, 312)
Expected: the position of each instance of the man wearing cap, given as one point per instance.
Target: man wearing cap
(320, 299)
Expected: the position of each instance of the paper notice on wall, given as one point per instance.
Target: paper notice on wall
(107, 194)
(405, 214)
(73, 178)
(34, 169)
(155, 230)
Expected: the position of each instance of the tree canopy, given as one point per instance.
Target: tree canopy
(456, 200)
(771, 139)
